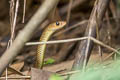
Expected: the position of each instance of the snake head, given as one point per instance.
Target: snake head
(57, 25)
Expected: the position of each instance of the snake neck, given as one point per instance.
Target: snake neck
(41, 48)
(46, 35)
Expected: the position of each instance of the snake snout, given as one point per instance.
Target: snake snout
(63, 23)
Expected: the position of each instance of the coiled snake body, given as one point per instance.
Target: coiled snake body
(44, 37)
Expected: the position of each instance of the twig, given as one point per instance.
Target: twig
(12, 7)
(71, 27)
(68, 73)
(97, 31)
(20, 77)
(24, 11)
(108, 56)
(71, 40)
(56, 41)
(6, 73)
(104, 45)
(14, 22)
(69, 11)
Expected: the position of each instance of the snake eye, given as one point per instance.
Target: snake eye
(57, 23)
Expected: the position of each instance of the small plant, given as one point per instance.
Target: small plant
(49, 61)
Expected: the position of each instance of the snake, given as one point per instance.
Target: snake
(49, 30)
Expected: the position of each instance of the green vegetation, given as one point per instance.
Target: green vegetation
(49, 61)
(56, 77)
(106, 72)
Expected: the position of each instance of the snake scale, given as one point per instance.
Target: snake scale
(45, 37)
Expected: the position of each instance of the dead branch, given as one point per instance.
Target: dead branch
(26, 33)
(86, 46)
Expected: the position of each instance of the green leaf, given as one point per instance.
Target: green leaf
(49, 61)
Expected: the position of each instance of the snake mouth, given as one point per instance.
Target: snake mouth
(63, 23)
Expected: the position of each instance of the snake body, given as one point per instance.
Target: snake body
(44, 37)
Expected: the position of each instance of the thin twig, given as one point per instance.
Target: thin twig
(97, 31)
(86, 51)
(108, 56)
(14, 22)
(20, 77)
(24, 11)
(104, 45)
(71, 40)
(56, 41)
(71, 27)
(68, 73)
(12, 7)
(69, 11)
(6, 74)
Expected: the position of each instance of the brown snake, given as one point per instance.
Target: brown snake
(44, 37)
